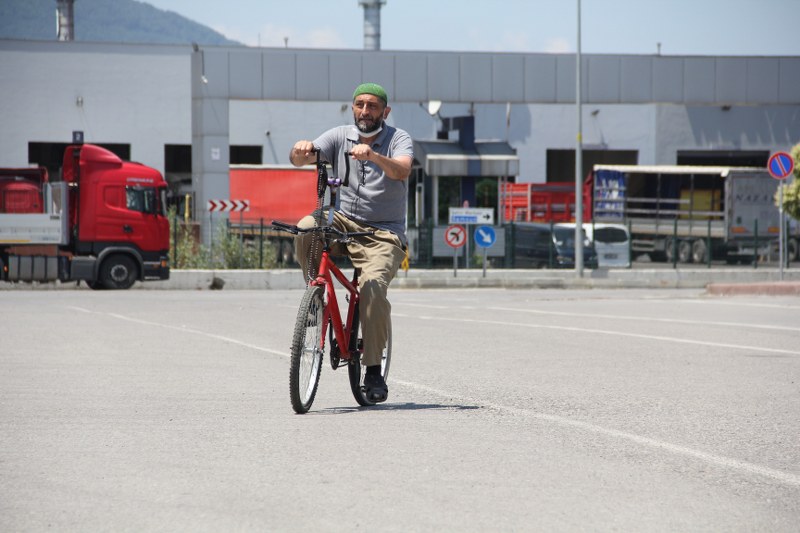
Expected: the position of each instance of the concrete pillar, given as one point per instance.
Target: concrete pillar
(210, 136)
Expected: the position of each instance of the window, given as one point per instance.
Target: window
(561, 163)
(245, 155)
(144, 200)
(178, 159)
(724, 158)
(610, 234)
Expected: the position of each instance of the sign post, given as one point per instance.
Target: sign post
(780, 165)
(455, 237)
(485, 237)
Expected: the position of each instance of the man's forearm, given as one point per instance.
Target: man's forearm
(396, 169)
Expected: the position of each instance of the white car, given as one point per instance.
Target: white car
(612, 242)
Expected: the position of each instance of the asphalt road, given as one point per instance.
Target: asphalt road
(509, 410)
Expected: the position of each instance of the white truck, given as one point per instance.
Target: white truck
(688, 212)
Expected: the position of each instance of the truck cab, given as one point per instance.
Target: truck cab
(103, 223)
(117, 216)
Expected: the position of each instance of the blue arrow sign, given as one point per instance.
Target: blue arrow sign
(485, 236)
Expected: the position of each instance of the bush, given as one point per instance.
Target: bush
(791, 192)
(227, 250)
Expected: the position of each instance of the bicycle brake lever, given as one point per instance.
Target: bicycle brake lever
(277, 224)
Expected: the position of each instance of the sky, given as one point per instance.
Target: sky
(669, 27)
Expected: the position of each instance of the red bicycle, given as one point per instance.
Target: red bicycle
(319, 317)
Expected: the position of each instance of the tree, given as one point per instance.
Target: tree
(791, 192)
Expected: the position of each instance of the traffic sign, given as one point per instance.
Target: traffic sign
(780, 165)
(471, 215)
(227, 206)
(455, 236)
(485, 236)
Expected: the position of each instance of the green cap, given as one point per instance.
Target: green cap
(371, 88)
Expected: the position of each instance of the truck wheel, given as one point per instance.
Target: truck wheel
(699, 251)
(118, 272)
(685, 252)
(669, 250)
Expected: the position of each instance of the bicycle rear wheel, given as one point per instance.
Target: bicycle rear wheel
(356, 369)
(307, 350)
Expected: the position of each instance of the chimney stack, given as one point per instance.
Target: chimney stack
(65, 20)
(372, 23)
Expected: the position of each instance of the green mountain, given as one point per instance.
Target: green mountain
(116, 21)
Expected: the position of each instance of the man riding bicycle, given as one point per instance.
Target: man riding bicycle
(375, 199)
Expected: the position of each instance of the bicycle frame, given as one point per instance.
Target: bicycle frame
(332, 315)
(309, 337)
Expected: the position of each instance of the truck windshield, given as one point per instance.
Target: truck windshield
(143, 199)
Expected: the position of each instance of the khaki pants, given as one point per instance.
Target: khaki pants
(377, 257)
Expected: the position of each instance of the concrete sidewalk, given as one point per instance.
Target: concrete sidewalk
(719, 281)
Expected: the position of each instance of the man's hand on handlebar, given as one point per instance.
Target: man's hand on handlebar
(361, 152)
(303, 153)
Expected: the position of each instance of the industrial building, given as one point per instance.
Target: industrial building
(191, 111)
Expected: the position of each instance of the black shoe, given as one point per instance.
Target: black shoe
(375, 388)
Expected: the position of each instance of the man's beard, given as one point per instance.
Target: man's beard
(367, 130)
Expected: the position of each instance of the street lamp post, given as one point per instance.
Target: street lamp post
(578, 159)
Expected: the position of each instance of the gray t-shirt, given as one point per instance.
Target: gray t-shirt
(371, 197)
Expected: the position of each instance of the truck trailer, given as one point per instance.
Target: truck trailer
(275, 192)
(103, 223)
(685, 213)
(544, 202)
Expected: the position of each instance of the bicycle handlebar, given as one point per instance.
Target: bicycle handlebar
(343, 236)
(324, 181)
(320, 168)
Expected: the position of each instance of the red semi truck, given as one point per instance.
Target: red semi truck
(104, 223)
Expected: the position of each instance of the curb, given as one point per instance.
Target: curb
(778, 288)
(715, 282)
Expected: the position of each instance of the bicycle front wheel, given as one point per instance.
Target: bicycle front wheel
(307, 350)
(356, 370)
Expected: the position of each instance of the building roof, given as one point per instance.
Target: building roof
(449, 158)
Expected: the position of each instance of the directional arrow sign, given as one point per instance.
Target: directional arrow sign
(471, 215)
(228, 206)
(485, 236)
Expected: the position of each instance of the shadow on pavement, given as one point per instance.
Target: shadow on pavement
(408, 406)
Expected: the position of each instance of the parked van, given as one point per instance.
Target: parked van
(612, 242)
(540, 246)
